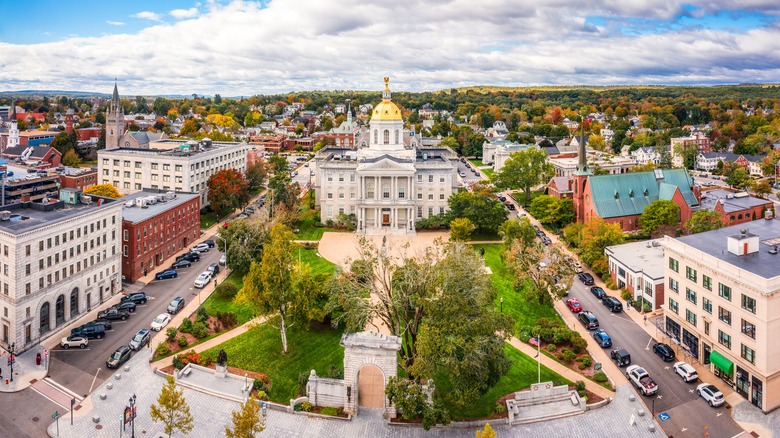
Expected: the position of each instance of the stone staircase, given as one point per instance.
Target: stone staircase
(544, 402)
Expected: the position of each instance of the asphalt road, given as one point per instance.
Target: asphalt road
(689, 414)
(75, 368)
(26, 414)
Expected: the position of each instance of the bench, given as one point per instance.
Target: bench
(187, 371)
(574, 399)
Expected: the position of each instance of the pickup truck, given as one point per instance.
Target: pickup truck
(639, 377)
(113, 313)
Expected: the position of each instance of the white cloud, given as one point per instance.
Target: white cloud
(184, 13)
(243, 48)
(148, 15)
(115, 23)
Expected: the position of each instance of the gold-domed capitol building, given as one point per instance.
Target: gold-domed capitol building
(388, 180)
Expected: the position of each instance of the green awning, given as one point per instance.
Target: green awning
(721, 362)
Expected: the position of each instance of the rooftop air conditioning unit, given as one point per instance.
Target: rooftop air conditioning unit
(86, 199)
(5, 215)
(170, 195)
(140, 202)
(129, 204)
(151, 200)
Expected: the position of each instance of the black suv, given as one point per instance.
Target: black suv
(664, 351)
(586, 278)
(588, 319)
(598, 292)
(190, 257)
(210, 242)
(101, 322)
(112, 313)
(181, 264)
(612, 304)
(135, 297)
(89, 331)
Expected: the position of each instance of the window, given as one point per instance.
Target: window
(748, 329)
(419, 178)
(370, 191)
(127, 164)
(748, 303)
(154, 166)
(341, 177)
(690, 273)
(707, 281)
(138, 175)
(430, 178)
(724, 339)
(441, 195)
(166, 167)
(419, 194)
(690, 317)
(724, 315)
(401, 192)
(748, 354)
(419, 212)
(386, 191)
(706, 305)
(178, 167)
(673, 285)
(673, 306)
(724, 291)
(127, 174)
(441, 179)
(690, 295)
(386, 136)
(674, 265)
(706, 328)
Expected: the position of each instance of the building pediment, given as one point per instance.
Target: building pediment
(385, 164)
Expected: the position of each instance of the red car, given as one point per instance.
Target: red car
(574, 305)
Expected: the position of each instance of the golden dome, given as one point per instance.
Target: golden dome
(386, 110)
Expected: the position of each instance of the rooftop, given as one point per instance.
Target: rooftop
(731, 203)
(761, 263)
(33, 215)
(136, 214)
(646, 257)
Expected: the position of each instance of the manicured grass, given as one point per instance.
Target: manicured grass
(476, 237)
(519, 196)
(520, 376)
(526, 313)
(319, 265)
(215, 303)
(488, 172)
(477, 162)
(260, 349)
(207, 220)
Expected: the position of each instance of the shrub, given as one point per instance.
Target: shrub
(259, 385)
(578, 344)
(162, 349)
(199, 330)
(177, 362)
(261, 395)
(567, 355)
(303, 379)
(585, 361)
(227, 290)
(335, 372)
(500, 408)
(600, 377)
(609, 283)
(306, 406)
(227, 319)
(204, 361)
(552, 348)
(203, 315)
(330, 411)
(579, 385)
(562, 336)
(186, 326)
(182, 341)
(626, 294)
(171, 333)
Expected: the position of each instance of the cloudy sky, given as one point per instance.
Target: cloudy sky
(240, 48)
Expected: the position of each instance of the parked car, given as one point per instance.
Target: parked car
(176, 305)
(664, 351)
(602, 338)
(190, 257)
(74, 341)
(711, 394)
(120, 356)
(621, 356)
(201, 247)
(213, 268)
(223, 260)
(136, 297)
(106, 324)
(686, 371)
(639, 378)
(588, 319)
(574, 305)
(211, 243)
(510, 206)
(181, 264)
(578, 268)
(112, 313)
(89, 331)
(612, 303)
(129, 306)
(598, 292)
(546, 240)
(168, 273)
(160, 322)
(586, 278)
(140, 339)
(478, 174)
(202, 280)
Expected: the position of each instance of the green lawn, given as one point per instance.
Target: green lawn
(477, 162)
(488, 172)
(260, 349)
(525, 313)
(207, 220)
(215, 303)
(520, 376)
(476, 237)
(318, 264)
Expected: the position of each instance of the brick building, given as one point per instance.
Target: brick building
(735, 208)
(155, 226)
(78, 178)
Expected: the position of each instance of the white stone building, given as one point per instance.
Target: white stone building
(384, 182)
(60, 260)
(170, 165)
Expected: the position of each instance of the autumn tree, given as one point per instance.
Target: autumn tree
(487, 432)
(509, 231)
(595, 236)
(524, 170)
(243, 243)
(461, 229)
(703, 220)
(739, 177)
(550, 210)
(228, 190)
(661, 216)
(64, 142)
(71, 158)
(762, 188)
(480, 206)
(246, 422)
(255, 174)
(172, 409)
(104, 190)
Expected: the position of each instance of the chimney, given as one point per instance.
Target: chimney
(743, 243)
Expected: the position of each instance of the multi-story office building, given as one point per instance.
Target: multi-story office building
(59, 260)
(155, 226)
(175, 165)
(723, 305)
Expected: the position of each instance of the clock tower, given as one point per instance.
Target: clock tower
(115, 121)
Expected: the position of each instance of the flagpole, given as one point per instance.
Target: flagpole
(538, 361)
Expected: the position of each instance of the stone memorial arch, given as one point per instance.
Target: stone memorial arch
(370, 359)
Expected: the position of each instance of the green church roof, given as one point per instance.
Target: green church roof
(628, 194)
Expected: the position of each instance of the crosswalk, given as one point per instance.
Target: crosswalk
(56, 393)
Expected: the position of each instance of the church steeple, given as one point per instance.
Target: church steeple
(115, 120)
(115, 97)
(13, 129)
(582, 164)
(349, 113)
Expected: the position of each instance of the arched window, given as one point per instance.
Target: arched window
(739, 216)
(74, 302)
(44, 316)
(59, 312)
(376, 136)
(396, 136)
(341, 193)
(386, 136)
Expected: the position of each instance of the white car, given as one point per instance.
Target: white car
(710, 394)
(74, 341)
(203, 279)
(160, 322)
(686, 371)
(199, 248)
(223, 260)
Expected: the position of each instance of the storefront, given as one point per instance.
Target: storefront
(691, 343)
(673, 329)
(723, 367)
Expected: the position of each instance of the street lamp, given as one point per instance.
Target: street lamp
(132, 415)
(12, 358)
